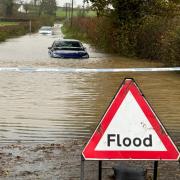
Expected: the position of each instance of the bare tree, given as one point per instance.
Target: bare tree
(8, 7)
(48, 7)
(26, 7)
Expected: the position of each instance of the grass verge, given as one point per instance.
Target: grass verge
(8, 23)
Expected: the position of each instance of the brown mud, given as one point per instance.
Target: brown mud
(63, 161)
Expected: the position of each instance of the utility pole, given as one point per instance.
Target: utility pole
(83, 8)
(72, 12)
(66, 10)
(69, 9)
(30, 26)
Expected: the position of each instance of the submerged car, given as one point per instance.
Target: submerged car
(68, 48)
(46, 30)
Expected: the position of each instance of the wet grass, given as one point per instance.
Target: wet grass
(8, 23)
(9, 31)
(61, 12)
(15, 29)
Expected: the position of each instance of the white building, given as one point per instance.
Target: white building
(21, 9)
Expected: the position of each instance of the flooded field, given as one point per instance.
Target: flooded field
(40, 107)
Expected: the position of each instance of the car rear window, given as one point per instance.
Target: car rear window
(46, 28)
(69, 44)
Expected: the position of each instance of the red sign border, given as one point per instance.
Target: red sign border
(129, 84)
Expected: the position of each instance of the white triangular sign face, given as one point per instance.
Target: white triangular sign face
(134, 131)
(130, 130)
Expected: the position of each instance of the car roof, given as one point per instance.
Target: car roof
(72, 40)
(46, 27)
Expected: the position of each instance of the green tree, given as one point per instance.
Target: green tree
(100, 6)
(8, 7)
(128, 11)
(48, 7)
(175, 1)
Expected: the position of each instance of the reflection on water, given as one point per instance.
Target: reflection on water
(32, 51)
(53, 107)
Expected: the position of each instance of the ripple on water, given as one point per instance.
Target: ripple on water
(53, 107)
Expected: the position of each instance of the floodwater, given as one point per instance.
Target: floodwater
(54, 107)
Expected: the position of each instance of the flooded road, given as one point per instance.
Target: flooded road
(53, 107)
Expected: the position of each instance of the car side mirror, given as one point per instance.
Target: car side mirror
(49, 47)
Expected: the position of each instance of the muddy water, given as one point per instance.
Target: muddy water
(55, 107)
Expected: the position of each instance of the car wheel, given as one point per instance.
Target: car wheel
(51, 54)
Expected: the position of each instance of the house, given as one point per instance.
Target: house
(21, 9)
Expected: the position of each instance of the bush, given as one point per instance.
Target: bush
(149, 37)
(82, 28)
(170, 49)
(22, 28)
(159, 39)
(13, 31)
(154, 37)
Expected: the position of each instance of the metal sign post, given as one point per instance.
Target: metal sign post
(100, 170)
(155, 170)
(130, 130)
(82, 168)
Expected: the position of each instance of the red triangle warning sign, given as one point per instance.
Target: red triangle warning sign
(130, 130)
